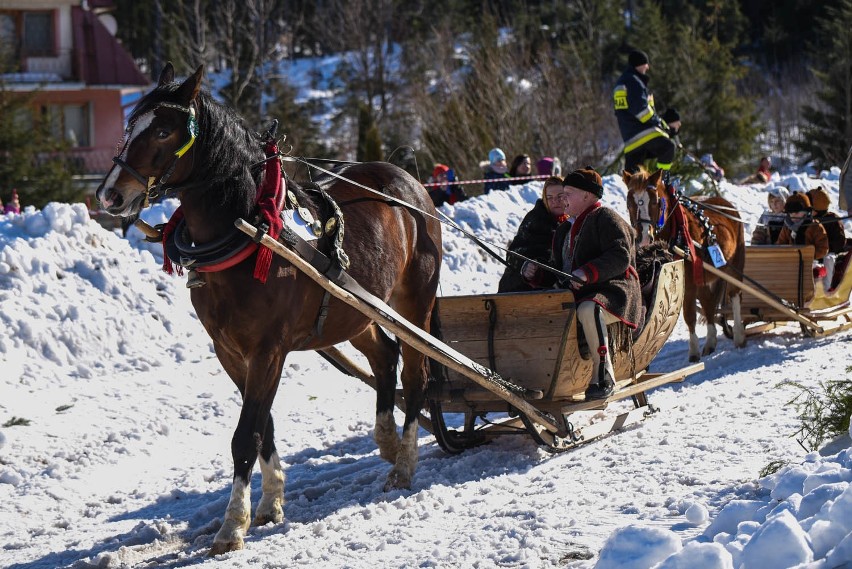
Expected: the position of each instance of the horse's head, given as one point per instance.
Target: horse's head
(160, 131)
(644, 191)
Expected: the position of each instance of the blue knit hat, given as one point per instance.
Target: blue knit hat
(495, 155)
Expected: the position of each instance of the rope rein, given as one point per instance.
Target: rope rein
(444, 219)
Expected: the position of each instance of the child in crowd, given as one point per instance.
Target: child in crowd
(770, 223)
(446, 192)
(820, 202)
(548, 166)
(521, 166)
(496, 170)
(800, 228)
(763, 174)
(714, 170)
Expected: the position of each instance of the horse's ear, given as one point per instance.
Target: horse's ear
(167, 75)
(655, 178)
(625, 175)
(189, 89)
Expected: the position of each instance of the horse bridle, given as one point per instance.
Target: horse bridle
(152, 185)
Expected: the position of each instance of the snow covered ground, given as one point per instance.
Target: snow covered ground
(117, 419)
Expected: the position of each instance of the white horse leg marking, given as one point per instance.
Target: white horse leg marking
(406, 460)
(710, 341)
(230, 536)
(693, 347)
(386, 436)
(739, 327)
(271, 506)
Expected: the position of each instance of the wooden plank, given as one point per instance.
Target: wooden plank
(533, 330)
(631, 390)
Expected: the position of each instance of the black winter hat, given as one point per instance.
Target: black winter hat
(585, 179)
(637, 57)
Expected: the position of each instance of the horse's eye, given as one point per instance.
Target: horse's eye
(163, 133)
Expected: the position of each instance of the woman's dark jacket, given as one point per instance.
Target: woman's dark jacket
(533, 240)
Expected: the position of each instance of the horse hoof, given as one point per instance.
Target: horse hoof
(694, 359)
(220, 547)
(707, 351)
(271, 517)
(396, 481)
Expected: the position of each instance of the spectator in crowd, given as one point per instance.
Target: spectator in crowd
(495, 171)
(763, 174)
(521, 166)
(597, 250)
(13, 205)
(548, 166)
(713, 170)
(446, 191)
(800, 228)
(641, 128)
(771, 221)
(534, 238)
(820, 202)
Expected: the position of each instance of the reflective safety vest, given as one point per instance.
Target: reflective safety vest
(634, 110)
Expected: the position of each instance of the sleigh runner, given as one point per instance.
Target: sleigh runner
(516, 353)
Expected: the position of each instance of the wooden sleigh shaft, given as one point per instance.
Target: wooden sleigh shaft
(407, 332)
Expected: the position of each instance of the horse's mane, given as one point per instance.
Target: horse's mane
(645, 174)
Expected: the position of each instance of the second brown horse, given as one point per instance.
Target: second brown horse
(720, 226)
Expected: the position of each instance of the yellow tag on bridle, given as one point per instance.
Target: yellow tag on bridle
(192, 127)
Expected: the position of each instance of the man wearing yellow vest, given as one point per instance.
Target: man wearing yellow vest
(644, 133)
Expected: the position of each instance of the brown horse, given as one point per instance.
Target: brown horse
(395, 254)
(704, 221)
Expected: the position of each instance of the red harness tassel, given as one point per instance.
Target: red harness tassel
(683, 229)
(167, 231)
(269, 202)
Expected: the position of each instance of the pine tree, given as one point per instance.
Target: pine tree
(827, 133)
(694, 69)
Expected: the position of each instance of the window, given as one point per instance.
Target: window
(38, 33)
(30, 32)
(70, 122)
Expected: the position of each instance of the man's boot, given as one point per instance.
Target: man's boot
(603, 383)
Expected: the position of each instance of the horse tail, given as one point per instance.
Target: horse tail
(436, 370)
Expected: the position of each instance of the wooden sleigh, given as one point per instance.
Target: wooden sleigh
(513, 361)
(784, 291)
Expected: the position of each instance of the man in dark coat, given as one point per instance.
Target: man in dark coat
(644, 134)
(597, 250)
(534, 239)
